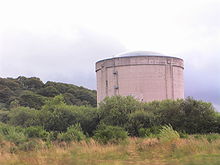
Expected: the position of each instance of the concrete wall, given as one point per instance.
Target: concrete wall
(147, 78)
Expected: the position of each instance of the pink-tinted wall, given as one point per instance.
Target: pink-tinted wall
(147, 78)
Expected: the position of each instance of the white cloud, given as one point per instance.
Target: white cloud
(56, 58)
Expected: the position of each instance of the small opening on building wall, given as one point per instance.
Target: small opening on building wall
(116, 87)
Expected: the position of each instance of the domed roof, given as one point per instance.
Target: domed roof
(138, 53)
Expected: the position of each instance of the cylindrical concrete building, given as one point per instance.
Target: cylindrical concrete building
(146, 76)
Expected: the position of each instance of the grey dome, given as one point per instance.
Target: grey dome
(138, 53)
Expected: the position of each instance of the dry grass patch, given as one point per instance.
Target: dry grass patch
(138, 151)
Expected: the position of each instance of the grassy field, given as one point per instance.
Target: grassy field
(138, 151)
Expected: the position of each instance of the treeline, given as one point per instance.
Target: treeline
(112, 121)
(137, 118)
(33, 93)
(184, 115)
(57, 112)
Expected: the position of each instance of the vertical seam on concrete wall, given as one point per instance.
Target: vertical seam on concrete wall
(115, 78)
(117, 83)
(171, 70)
(106, 80)
(166, 81)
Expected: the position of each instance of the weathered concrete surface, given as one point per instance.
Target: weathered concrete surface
(147, 78)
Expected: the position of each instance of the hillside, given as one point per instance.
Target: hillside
(33, 93)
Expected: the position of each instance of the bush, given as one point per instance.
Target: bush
(73, 133)
(110, 134)
(167, 134)
(12, 134)
(212, 137)
(198, 136)
(4, 116)
(36, 132)
(209, 137)
(139, 119)
(142, 132)
(183, 135)
(31, 99)
(23, 116)
(28, 146)
(116, 110)
(149, 132)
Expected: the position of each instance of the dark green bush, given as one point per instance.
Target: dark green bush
(116, 110)
(142, 132)
(31, 99)
(110, 134)
(183, 135)
(58, 116)
(4, 116)
(36, 132)
(139, 119)
(13, 134)
(149, 132)
(29, 146)
(23, 116)
(73, 133)
(53, 136)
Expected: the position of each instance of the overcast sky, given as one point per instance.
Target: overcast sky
(61, 40)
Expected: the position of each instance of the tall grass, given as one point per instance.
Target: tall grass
(167, 134)
(191, 151)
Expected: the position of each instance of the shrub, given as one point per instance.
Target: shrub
(149, 132)
(183, 135)
(28, 146)
(23, 116)
(73, 133)
(4, 116)
(142, 132)
(167, 133)
(31, 99)
(212, 137)
(116, 110)
(198, 136)
(36, 132)
(139, 119)
(12, 134)
(110, 134)
(53, 135)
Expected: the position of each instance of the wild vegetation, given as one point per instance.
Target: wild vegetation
(33, 93)
(56, 130)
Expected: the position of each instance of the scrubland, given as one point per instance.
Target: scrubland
(193, 150)
(59, 124)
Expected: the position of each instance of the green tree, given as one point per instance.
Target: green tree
(73, 133)
(110, 134)
(23, 116)
(140, 119)
(31, 83)
(48, 91)
(198, 116)
(5, 94)
(117, 109)
(31, 99)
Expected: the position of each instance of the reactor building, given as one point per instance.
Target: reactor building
(146, 76)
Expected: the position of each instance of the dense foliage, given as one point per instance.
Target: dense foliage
(56, 111)
(184, 115)
(113, 134)
(33, 93)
